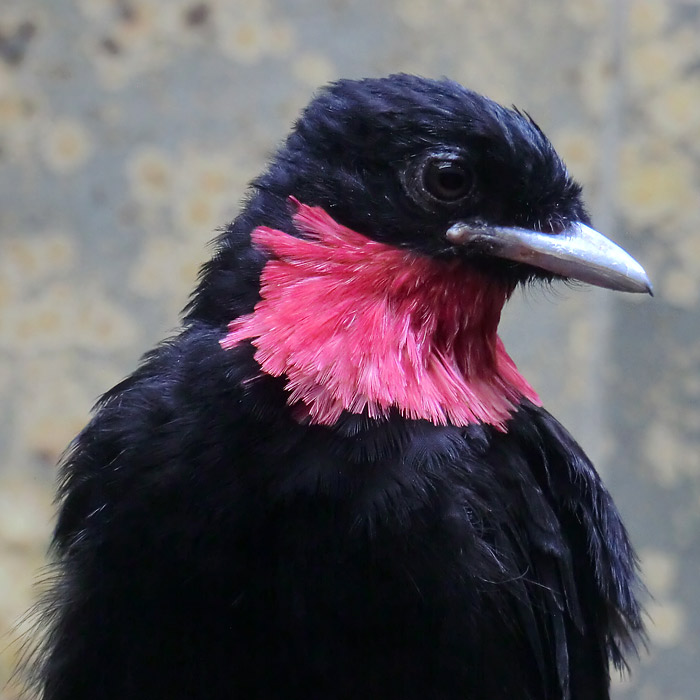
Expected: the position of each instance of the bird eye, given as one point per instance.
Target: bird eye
(447, 180)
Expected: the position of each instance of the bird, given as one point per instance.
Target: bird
(333, 482)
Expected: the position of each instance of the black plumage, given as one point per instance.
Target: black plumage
(212, 544)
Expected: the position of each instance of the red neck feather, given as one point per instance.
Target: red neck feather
(354, 325)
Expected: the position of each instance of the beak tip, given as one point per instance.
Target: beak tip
(645, 287)
(640, 284)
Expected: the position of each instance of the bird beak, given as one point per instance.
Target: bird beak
(577, 252)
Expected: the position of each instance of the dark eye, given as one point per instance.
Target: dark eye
(447, 180)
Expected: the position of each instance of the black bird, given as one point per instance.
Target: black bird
(333, 483)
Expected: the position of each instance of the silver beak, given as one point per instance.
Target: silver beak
(578, 252)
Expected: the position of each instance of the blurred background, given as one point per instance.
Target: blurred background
(128, 132)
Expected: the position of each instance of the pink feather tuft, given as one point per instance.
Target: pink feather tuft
(354, 325)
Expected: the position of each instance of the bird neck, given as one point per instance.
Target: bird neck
(357, 325)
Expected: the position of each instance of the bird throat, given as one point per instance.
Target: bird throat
(356, 325)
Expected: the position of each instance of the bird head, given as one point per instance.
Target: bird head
(439, 169)
(388, 231)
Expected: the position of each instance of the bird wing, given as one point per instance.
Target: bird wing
(575, 600)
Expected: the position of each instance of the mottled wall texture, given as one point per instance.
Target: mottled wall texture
(129, 128)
